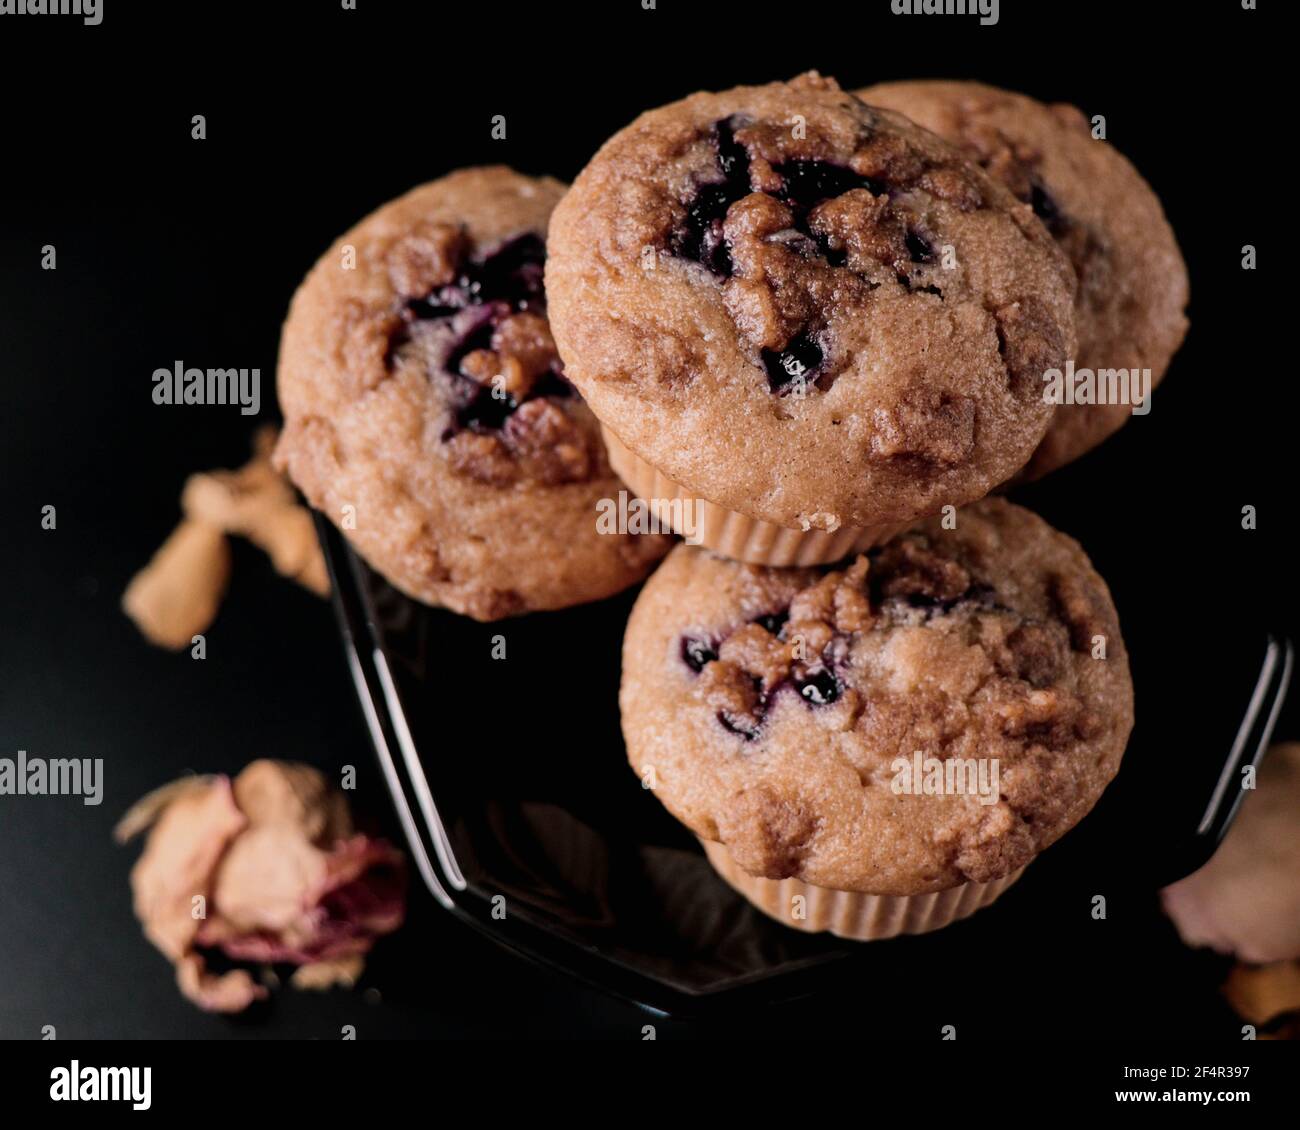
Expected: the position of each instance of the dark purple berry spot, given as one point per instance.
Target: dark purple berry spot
(733, 158)
(699, 237)
(773, 622)
(918, 247)
(820, 689)
(912, 288)
(808, 183)
(463, 317)
(795, 365)
(804, 184)
(487, 410)
(1046, 209)
(697, 653)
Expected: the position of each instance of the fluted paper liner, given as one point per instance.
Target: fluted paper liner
(852, 914)
(730, 533)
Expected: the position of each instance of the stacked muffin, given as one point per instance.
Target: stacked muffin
(813, 336)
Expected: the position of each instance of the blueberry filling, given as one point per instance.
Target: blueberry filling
(696, 653)
(773, 622)
(835, 256)
(1046, 209)
(913, 577)
(699, 237)
(912, 288)
(807, 183)
(804, 184)
(796, 364)
(702, 238)
(733, 158)
(487, 291)
(484, 412)
(475, 332)
(919, 249)
(820, 689)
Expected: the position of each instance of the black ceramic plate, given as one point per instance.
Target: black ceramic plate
(523, 817)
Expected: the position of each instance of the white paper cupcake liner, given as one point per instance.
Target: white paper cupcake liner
(852, 914)
(730, 533)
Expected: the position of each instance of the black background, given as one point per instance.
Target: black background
(170, 248)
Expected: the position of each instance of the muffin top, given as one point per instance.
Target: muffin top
(1132, 280)
(783, 712)
(422, 389)
(807, 310)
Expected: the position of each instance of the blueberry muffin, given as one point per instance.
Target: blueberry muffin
(1132, 280)
(428, 415)
(882, 746)
(808, 319)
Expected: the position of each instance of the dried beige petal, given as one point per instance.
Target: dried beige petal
(178, 862)
(345, 971)
(1261, 993)
(283, 792)
(1246, 900)
(149, 807)
(266, 881)
(287, 535)
(227, 992)
(264, 870)
(258, 503)
(176, 596)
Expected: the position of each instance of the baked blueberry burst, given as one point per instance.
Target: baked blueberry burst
(783, 223)
(803, 185)
(806, 647)
(488, 332)
(484, 341)
(751, 665)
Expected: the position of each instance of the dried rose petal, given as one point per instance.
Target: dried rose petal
(355, 896)
(1246, 900)
(224, 992)
(182, 852)
(282, 876)
(1262, 993)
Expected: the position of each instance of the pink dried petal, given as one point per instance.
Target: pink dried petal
(283, 878)
(280, 792)
(226, 992)
(345, 971)
(359, 898)
(268, 879)
(178, 862)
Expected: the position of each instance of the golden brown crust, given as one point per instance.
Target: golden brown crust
(846, 331)
(1132, 280)
(490, 519)
(770, 708)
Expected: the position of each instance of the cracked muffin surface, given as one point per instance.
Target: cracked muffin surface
(1132, 282)
(806, 310)
(767, 708)
(428, 415)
